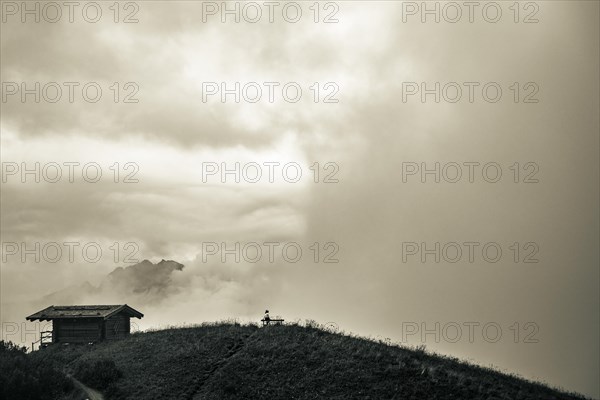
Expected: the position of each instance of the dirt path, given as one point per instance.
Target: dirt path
(89, 392)
(205, 375)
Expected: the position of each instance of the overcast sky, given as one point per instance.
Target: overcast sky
(171, 133)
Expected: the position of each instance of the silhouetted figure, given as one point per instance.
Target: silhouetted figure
(267, 320)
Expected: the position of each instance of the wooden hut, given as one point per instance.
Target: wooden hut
(85, 324)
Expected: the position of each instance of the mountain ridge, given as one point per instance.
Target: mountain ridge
(143, 278)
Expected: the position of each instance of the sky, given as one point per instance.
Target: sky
(141, 169)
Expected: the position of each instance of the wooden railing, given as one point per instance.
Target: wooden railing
(45, 339)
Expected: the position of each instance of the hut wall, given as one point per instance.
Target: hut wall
(116, 327)
(77, 330)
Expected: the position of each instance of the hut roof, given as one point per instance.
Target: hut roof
(96, 311)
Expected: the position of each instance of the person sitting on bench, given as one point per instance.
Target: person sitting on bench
(267, 318)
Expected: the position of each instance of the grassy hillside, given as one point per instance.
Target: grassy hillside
(231, 361)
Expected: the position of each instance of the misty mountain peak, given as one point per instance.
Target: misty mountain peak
(170, 264)
(146, 266)
(142, 278)
(152, 281)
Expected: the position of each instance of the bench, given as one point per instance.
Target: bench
(266, 322)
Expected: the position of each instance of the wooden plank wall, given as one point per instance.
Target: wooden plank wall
(116, 327)
(77, 330)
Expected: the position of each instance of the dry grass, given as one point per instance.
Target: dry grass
(233, 361)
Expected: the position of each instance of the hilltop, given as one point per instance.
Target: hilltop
(233, 361)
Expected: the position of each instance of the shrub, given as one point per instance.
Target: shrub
(100, 374)
(22, 378)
